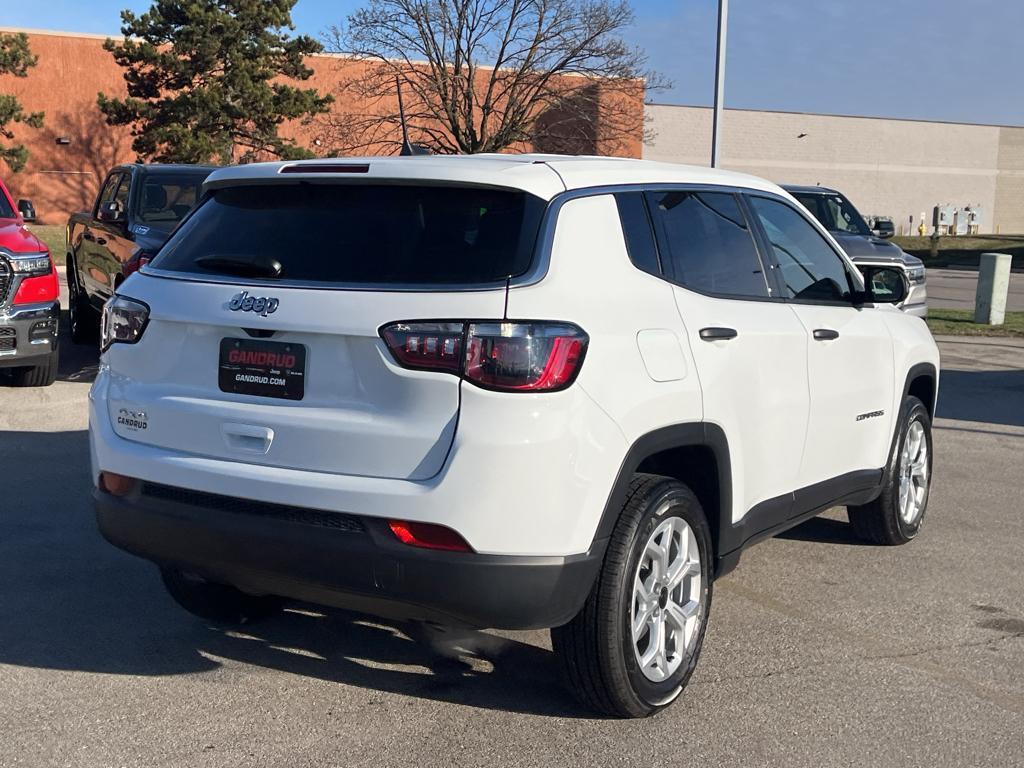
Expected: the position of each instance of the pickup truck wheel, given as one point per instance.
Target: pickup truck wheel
(81, 317)
(896, 515)
(38, 375)
(217, 602)
(633, 646)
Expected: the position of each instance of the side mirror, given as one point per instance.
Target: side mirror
(27, 211)
(885, 285)
(110, 212)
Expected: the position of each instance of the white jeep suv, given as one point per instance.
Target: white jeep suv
(503, 391)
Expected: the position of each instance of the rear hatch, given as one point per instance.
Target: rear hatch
(263, 341)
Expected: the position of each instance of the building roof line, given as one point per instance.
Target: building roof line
(836, 114)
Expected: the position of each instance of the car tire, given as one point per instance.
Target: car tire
(895, 517)
(221, 603)
(82, 319)
(601, 656)
(38, 375)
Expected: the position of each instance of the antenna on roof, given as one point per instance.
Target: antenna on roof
(408, 148)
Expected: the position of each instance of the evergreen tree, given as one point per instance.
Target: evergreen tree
(204, 80)
(15, 59)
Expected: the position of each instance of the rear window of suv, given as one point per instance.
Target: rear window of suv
(358, 233)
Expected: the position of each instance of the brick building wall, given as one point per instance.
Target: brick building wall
(73, 68)
(898, 168)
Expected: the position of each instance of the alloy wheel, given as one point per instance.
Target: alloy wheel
(666, 606)
(913, 473)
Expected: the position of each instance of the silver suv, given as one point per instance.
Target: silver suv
(867, 249)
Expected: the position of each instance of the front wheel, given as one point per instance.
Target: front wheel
(42, 375)
(633, 646)
(896, 515)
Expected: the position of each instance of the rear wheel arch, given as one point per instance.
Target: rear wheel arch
(697, 455)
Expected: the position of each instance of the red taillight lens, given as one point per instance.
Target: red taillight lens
(135, 264)
(430, 346)
(36, 290)
(531, 357)
(506, 356)
(428, 536)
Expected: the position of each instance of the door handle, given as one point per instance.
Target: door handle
(718, 334)
(825, 334)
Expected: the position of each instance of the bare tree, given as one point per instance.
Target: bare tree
(484, 75)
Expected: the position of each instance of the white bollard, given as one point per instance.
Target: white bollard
(993, 285)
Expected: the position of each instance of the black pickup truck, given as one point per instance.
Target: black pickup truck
(135, 212)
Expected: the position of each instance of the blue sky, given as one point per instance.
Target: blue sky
(957, 60)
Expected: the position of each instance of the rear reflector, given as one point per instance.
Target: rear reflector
(428, 536)
(499, 355)
(117, 485)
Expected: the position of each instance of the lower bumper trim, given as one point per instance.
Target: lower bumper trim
(367, 570)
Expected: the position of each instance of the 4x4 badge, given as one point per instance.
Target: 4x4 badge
(261, 305)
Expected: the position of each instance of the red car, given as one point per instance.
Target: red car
(29, 299)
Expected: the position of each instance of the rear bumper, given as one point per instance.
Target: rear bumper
(346, 561)
(28, 333)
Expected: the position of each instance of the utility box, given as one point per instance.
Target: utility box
(970, 220)
(942, 219)
(993, 287)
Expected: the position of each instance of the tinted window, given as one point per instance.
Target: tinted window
(360, 234)
(6, 211)
(122, 191)
(636, 228)
(707, 243)
(109, 188)
(810, 269)
(835, 213)
(166, 199)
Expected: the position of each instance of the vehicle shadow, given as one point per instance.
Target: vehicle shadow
(992, 396)
(71, 601)
(78, 362)
(823, 530)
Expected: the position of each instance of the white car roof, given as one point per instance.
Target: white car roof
(542, 175)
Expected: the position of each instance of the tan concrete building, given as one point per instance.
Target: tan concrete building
(72, 152)
(897, 168)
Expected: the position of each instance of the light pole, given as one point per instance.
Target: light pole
(716, 120)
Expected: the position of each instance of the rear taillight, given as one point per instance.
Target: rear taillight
(123, 321)
(135, 263)
(528, 357)
(426, 346)
(505, 356)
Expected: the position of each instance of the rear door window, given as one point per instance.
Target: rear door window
(706, 243)
(363, 234)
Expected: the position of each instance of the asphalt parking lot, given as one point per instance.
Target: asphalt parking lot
(956, 289)
(821, 651)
